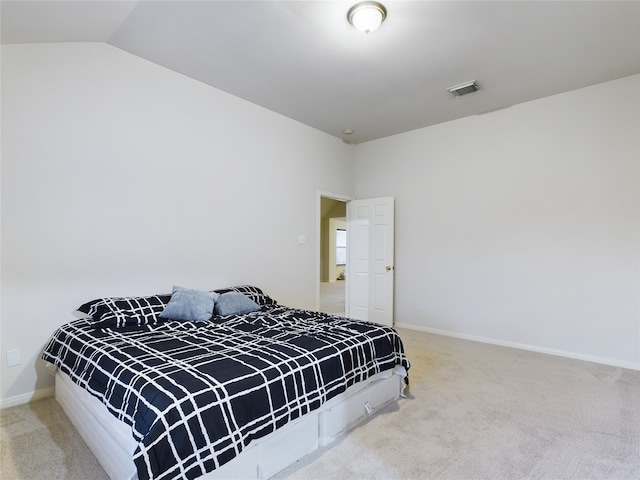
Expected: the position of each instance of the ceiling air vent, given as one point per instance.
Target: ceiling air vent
(464, 88)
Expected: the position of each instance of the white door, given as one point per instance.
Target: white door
(370, 269)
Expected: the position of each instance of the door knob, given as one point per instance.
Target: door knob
(388, 268)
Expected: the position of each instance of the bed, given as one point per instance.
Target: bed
(239, 392)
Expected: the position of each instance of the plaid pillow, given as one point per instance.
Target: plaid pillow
(254, 293)
(126, 311)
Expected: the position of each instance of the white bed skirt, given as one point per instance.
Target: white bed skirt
(112, 443)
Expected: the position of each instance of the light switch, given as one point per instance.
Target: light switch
(302, 239)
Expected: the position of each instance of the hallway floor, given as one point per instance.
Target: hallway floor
(332, 297)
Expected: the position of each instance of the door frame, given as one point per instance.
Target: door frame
(319, 196)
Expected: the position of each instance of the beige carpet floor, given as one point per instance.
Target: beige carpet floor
(474, 411)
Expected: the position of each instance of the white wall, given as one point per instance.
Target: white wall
(120, 177)
(521, 226)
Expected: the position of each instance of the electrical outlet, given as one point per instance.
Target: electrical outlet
(13, 357)
(421, 307)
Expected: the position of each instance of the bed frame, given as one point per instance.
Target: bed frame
(111, 441)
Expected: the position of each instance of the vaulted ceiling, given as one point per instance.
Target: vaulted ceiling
(304, 60)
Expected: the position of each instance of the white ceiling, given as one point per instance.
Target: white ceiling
(302, 58)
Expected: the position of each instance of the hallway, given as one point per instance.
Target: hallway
(332, 297)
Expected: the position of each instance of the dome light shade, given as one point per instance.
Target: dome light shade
(367, 16)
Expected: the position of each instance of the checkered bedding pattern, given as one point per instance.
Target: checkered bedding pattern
(197, 393)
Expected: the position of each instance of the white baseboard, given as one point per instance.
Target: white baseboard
(27, 397)
(523, 346)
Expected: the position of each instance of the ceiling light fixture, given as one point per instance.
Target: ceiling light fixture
(367, 16)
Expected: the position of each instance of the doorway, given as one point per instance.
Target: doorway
(333, 254)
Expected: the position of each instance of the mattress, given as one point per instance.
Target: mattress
(196, 395)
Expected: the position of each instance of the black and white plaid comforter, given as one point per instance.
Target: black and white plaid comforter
(196, 394)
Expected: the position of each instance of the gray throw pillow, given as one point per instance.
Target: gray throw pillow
(235, 303)
(189, 305)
